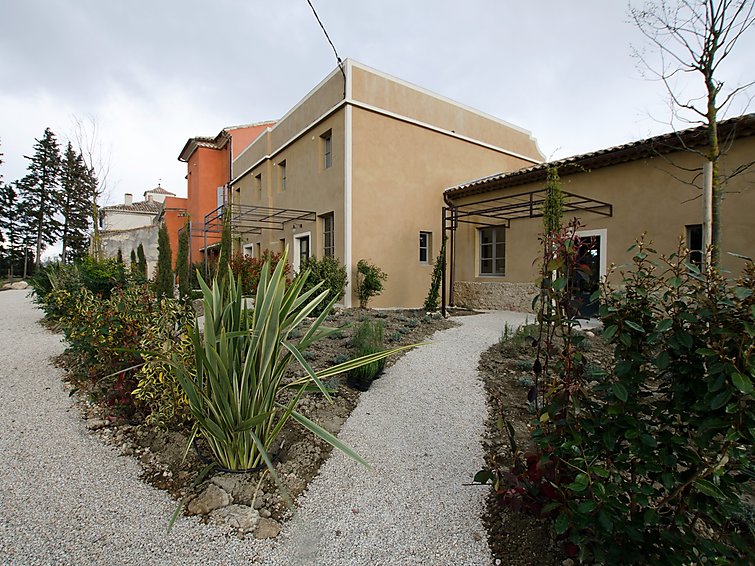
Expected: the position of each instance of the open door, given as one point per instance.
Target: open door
(586, 279)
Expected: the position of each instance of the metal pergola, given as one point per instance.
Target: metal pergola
(500, 211)
(250, 219)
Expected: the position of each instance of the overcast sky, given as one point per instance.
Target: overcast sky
(154, 73)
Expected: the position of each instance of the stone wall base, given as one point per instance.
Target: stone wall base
(494, 295)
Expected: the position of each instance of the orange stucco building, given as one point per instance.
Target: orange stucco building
(208, 162)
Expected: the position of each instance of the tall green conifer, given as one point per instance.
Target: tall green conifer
(164, 275)
(141, 261)
(41, 192)
(77, 184)
(182, 263)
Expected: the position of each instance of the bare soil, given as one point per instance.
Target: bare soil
(516, 537)
(168, 464)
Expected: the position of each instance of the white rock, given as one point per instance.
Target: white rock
(210, 499)
(240, 517)
(267, 528)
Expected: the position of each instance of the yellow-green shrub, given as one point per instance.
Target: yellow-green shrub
(158, 390)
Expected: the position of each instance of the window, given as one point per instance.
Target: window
(282, 166)
(695, 243)
(327, 149)
(220, 191)
(248, 250)
(425, 246)
(258, 183)
(493, 251)
(328, 239)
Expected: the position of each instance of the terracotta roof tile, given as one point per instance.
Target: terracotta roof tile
(151, 207)
(741, 126)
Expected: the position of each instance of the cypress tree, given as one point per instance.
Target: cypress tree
(182, 263)
(11, 228)
(142, 261)
(164, 275)
(225, 248)
(77, 184)
(133, 261)
(119, 257)
(41, 192)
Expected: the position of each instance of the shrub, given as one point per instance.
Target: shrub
(331, 273)
(98, 277)
(433, 294)
(248, 269)
(368, 339)
(158, 391)
(104, 335)
(234, 390)
(651, 462)
(369, 281)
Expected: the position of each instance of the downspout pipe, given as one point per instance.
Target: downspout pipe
(451, 257)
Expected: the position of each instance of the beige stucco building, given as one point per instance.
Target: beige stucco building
(650, 186)
(357, 169)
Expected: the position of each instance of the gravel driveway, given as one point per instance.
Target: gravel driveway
(65, 498)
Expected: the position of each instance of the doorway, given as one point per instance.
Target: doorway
(591, 262)
(301, 250)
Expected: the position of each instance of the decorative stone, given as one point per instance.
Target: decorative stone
(19, 285)
(210, 499)
(494, 295)
(264, 513)
(267, 528)
(226, 483)
(96, 424)
(239, 517)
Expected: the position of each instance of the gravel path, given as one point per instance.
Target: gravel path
(420, 427)
(65, 498)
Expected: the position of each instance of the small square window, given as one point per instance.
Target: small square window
(327, 149)
(425, 246)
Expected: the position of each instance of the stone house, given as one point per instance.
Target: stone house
(125, 226)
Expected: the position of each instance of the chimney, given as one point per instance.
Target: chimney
(129, 199)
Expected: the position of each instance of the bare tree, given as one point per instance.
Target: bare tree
(694, 37)
(87, 138)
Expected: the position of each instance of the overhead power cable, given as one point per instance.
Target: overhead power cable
(338, 59)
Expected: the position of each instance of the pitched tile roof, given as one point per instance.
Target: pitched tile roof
(739, 127)
(160, 191)
(144, 207)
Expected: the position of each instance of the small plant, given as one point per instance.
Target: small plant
(370, 280)
(525, 380)
(432, 299)
(368, 339)
(395, 337)
(341, 358)
(524, 365)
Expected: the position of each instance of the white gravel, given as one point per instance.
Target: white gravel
(65, 498)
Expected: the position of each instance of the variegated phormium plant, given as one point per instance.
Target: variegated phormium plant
(235, 391)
